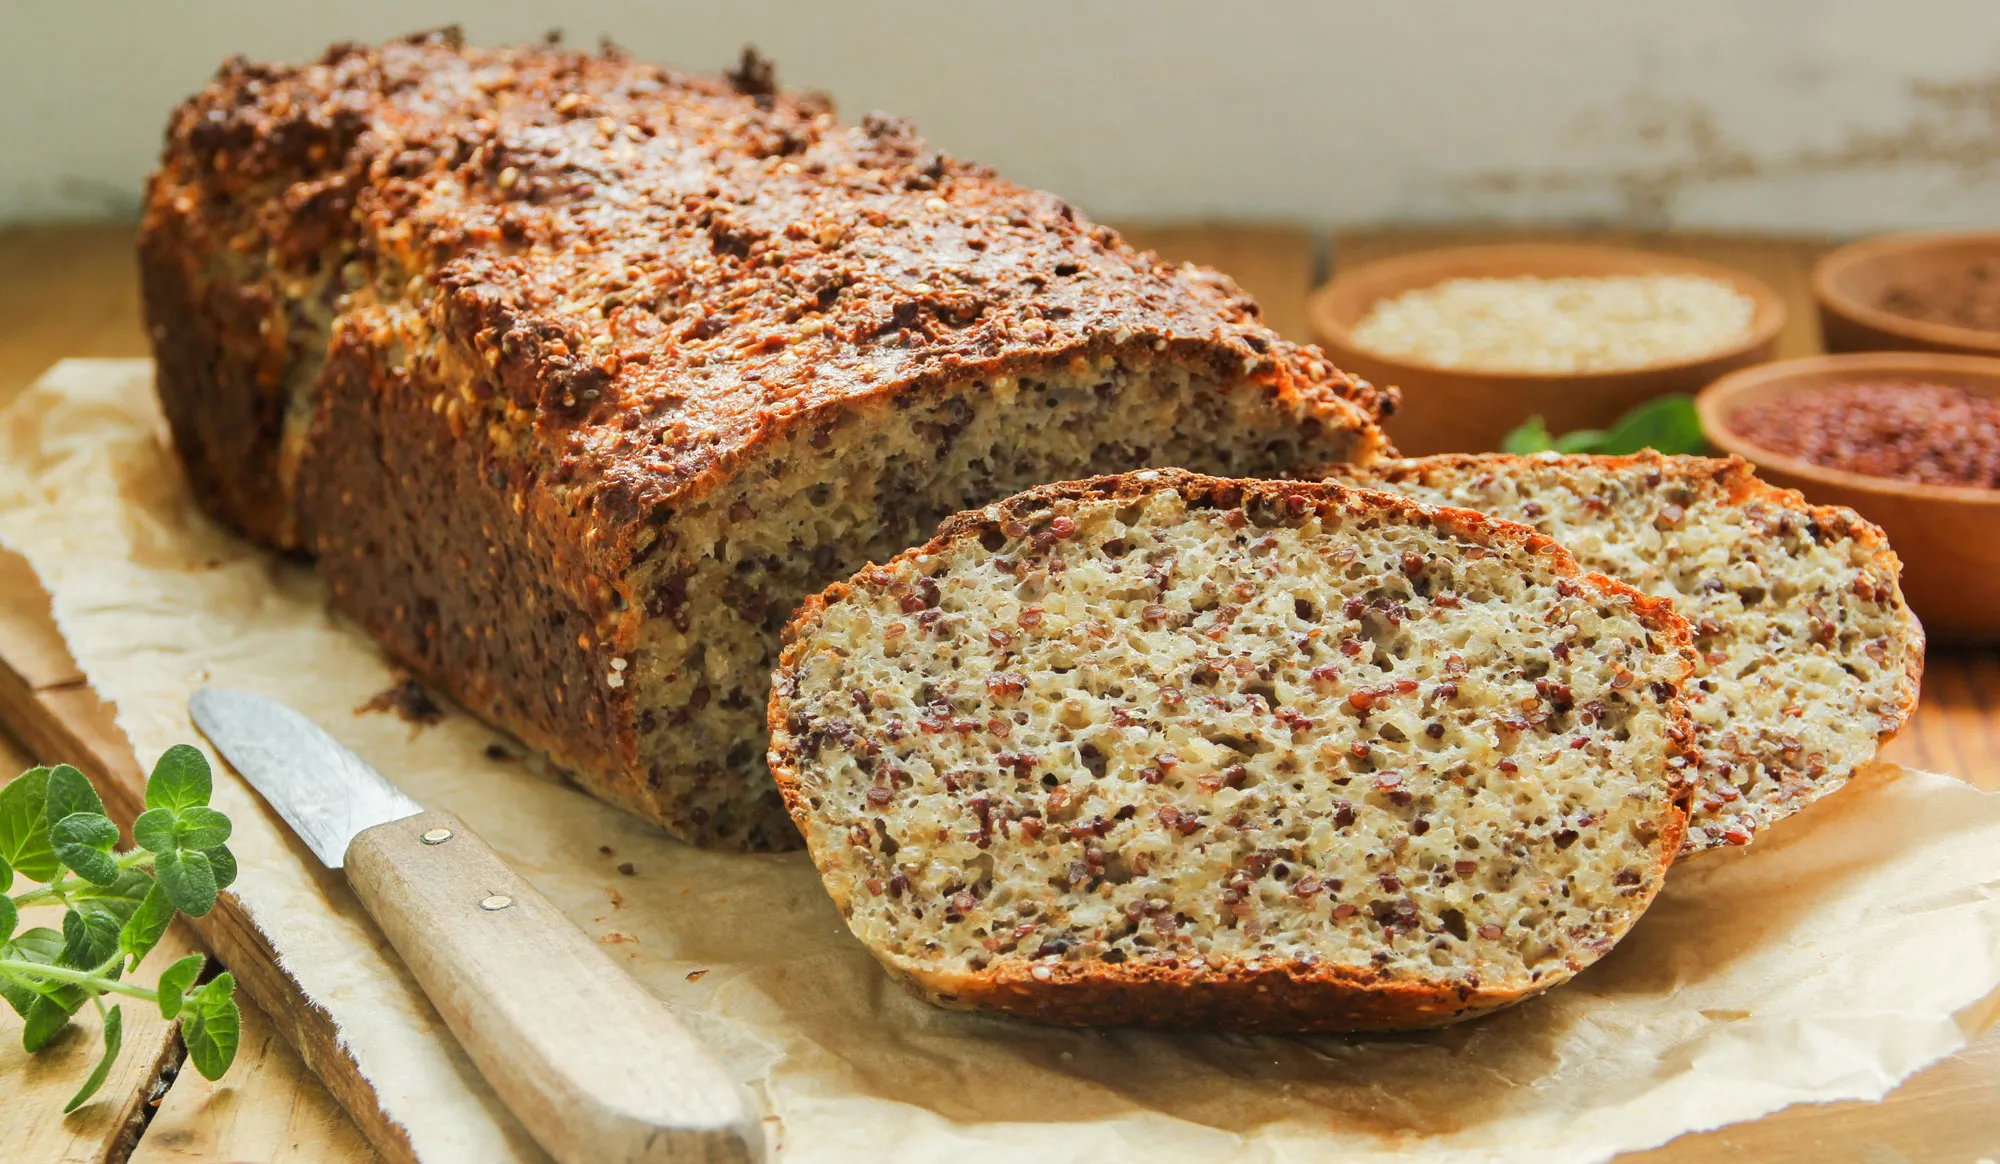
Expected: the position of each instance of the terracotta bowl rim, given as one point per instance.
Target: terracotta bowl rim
(1770, 307)
(1835, 263)
(1714, 402)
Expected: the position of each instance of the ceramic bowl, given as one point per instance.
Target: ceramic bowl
(1460, 410)
(1849, 283)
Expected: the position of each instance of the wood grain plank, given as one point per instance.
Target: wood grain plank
(66, 291)
(32, 1124)
(245, 1106)
(1957, 726)
(269, 1107)
(14, 755)
(73, 723)
(35, 648)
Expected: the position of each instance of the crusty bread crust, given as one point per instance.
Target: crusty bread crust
(475, 328)
(1734, 482)
(1267, 997)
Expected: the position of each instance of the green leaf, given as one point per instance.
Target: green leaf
(180, 780)
(45, 1019)
(45, 1006)
(1583, 440)
(200, 828)
(143, 928)
(189, 880)
(69, 792)
(211, 1026)
(83, 841)
(24, 829)
(114, 1037)
(120, 897)
(6, 875)
(18, 995)
(174, 982)
(224, 863)
(90, 938)
(1531, 437)
(10, 916)
(154, 830)
(40, 944)
(1669, 424)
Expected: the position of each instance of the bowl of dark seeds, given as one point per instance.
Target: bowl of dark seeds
(1912, 292)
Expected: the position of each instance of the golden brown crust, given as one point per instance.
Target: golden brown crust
(664, 261)
(1275, 998)
(571, 295)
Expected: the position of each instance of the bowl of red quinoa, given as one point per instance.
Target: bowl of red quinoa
(1481, 338)
(1912, 292)
(1909, 440)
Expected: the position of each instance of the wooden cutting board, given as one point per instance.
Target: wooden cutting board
(1946, 1113)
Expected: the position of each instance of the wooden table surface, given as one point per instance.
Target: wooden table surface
(71, 291)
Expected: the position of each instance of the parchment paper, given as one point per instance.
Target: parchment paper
(1850, 947)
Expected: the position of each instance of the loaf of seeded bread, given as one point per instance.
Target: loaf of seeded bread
(576, 375)
(1165, 749)
(1809, 658)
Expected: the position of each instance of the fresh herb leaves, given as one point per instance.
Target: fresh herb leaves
(24, 830)
(1668, 424)
(211, 1026)
(53, 831)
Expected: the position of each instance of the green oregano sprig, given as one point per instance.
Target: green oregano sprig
(53, 830)
(1666, 424)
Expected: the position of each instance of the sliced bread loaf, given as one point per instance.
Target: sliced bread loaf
(576, 375)
(1809, 658)
(1167, 749)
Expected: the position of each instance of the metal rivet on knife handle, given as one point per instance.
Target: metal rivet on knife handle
(437, 836)
(497, 901)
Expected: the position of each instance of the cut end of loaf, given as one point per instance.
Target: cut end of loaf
(863, 483)
(1165, 749)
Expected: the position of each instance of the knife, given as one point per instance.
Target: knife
(609, 1075)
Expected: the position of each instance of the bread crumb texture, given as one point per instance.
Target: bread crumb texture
(1166, 749)
(1808, 656)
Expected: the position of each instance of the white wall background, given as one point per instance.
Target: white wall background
(1790, 115)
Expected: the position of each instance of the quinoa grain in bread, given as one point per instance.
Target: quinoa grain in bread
(1165, 749)
(1809, 658)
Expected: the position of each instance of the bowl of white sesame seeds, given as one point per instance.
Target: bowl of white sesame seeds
(1481, 338)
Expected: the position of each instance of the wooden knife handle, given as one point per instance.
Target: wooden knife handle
(594, 1067)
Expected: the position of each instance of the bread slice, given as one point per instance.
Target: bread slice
(1809, 656)
(1165, 749)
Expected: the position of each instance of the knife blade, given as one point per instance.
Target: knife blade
(268, 743)
(609, 1074)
